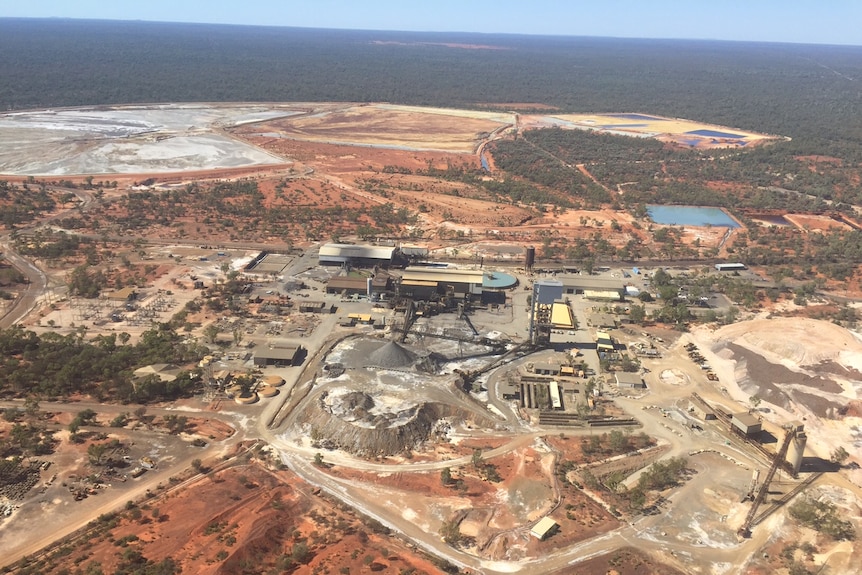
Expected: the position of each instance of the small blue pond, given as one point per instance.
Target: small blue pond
(690, 216)
(716, 134)
(634, 117)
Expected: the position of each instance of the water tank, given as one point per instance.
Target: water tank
(530, 257)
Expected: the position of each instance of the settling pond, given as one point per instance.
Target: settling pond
(690, 216)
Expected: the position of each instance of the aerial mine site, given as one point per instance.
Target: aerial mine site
(435, 334)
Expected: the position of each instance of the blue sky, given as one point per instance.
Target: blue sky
(801, 21)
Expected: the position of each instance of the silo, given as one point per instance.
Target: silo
(368, 288)
(796, 450)
(529, 258)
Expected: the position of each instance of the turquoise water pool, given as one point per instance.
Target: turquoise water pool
(690, 216)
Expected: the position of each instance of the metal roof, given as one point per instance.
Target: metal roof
(628, 378)
(414, 251)
(590, 283)
(443, 275)
(342, 282)
(746, 419)
(562, 316)
(282, 353)
(541, 529)
(355, 251)
(608, 294)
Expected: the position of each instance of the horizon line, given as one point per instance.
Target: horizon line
(464, 32)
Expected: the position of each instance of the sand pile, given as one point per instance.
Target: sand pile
(793, 341)
(391, 355)
(790, 363)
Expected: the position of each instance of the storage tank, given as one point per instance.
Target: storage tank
(530, 258)
(796, 450)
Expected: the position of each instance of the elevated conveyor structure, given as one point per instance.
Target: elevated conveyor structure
(745, 530)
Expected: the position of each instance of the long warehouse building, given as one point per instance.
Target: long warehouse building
(360, 255)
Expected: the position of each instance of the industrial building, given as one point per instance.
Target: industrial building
(545, 527)
(730, 267)
(628, 380)
(546, 368)
(423, 283)
(545, 294)
(123, 295)
(562, 316)
(347, 285)
(703, 411)
(746, 424)
(608, 289)
(360, 255)
(316, 307)
(164, 371)
(445, 280)
(286, 355)
(604, 342)
(509, 389)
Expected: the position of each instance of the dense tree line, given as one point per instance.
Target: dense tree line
(240, 206)
(539, 166)
(802, 91)
(765, 177)
(23, 204)
(55, 365)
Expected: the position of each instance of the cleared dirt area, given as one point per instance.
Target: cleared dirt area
(815, 223)
(626, 561)
(401, 127)
(687, 133)
(494, 517)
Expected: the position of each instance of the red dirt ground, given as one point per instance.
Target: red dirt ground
(260, 518)
(815, 223)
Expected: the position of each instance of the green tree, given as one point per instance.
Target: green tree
(86, 417)
(637, 314)
(300, 552)
(618, 441)
(211, 333)
(451, 532)
(446, 476)
(96, 451)
(637, 498)
(477, 457)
